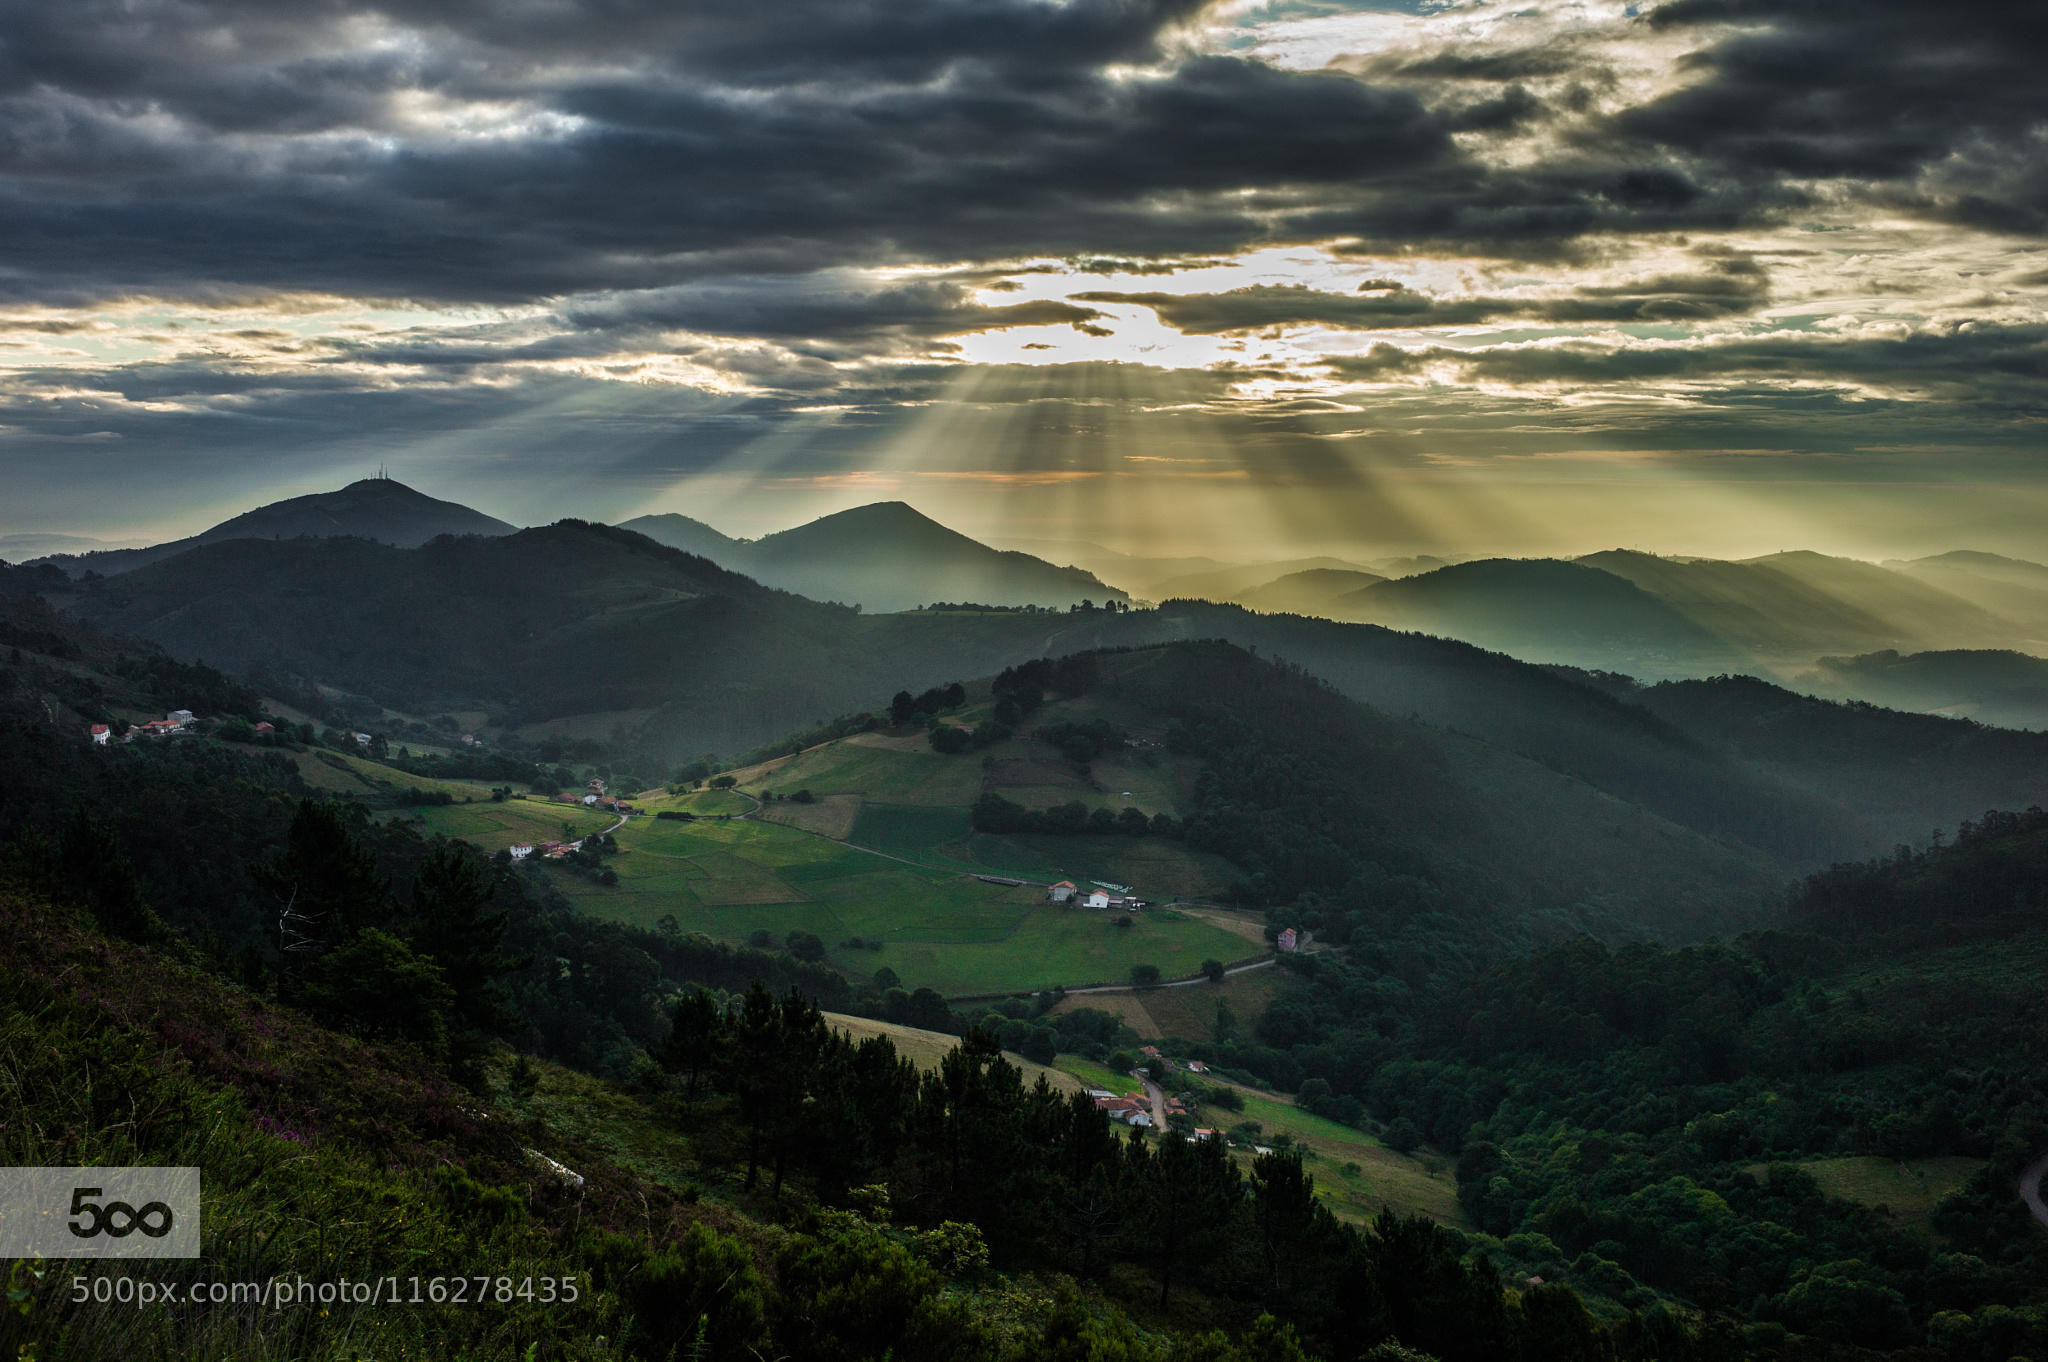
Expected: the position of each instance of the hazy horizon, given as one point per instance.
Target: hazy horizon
(1006, 533)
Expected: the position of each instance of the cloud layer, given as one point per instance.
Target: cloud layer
(638, 242)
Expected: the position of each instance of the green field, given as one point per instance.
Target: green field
(702, 803)
(896, 771)
(1908, 1189)
(1095, 1075)
(494, 826)
(920, 832)
(348, 775)
(939, 929)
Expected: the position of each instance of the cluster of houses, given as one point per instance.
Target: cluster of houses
(1101, 896)
(550, 851)
(1131, 1111)
(178, 723)
(1136, 1109)
(594, 797)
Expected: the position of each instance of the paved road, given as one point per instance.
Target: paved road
(1157, 1096)
(2030, 1188)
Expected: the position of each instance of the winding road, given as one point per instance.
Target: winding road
(2030, 1188)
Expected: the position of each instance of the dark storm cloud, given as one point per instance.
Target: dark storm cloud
(1735, 287)
(844, 316)
(501, 151)
(2001, 366)
(1936, 104)
(154, 147)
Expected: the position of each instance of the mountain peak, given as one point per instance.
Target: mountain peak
(380, 509)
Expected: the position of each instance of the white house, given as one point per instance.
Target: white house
(362, 740)
(1061, 892)
(180, 717)
(100, 734)
(520, 852)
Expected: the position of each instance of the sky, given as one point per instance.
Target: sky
(1239, 278)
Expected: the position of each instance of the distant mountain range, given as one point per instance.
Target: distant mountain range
(599, 631)
(379, 509)
(1660, 618)
(1953, 633)
(886, 556)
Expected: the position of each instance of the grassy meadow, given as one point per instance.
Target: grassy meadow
(495, 826)
(938, 928)
(1908, 1189)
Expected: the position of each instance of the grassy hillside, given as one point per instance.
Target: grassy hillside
(937, 928)
(927, 1048)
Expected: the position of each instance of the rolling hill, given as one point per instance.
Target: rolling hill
(1314, 591)
(1543, 610)
(2009, 587)
(691, 536)
(1992, 686)
(1225, 584)
(882, 557)
(379, 509)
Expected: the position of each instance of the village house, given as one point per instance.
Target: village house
(1288, 940)
(1132, 1111)
(362, 740)
(265, 728)
(180, 717)
(100, 734)
(520, 851)
(1061, 892)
